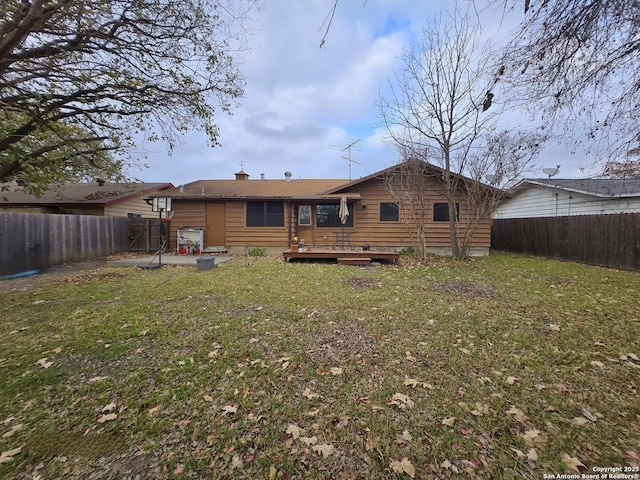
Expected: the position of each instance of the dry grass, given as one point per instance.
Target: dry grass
(499, 367)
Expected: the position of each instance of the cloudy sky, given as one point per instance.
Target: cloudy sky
(303, 104)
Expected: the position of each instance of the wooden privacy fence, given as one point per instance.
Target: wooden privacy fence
(607, 240)
(144, 234)
(35, 241)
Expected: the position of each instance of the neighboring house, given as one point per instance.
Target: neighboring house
(269, 213)
(95, 198)
(562, 197)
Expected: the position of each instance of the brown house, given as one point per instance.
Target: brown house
(265, 213)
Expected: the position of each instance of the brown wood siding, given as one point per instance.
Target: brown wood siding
(186, 214)
(239, 235)
(369, 229)
(367, 226)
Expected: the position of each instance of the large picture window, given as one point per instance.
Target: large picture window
(265, 214)
(441, 212)
(389, 212)
(327, 215)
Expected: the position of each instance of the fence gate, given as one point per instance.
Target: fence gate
(144, 234)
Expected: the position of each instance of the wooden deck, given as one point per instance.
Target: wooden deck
(331, 254)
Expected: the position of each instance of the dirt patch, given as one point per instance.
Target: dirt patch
(90, 277)
(361, 282)
(460, 287)
(341, 344)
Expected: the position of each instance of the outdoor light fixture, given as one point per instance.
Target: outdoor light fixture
(162, 205)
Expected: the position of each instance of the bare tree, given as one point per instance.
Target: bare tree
(496, 165)
(105, 71)
(441, 102)
(409, 187)
(576, 61)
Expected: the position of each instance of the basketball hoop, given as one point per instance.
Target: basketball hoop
(166, 215)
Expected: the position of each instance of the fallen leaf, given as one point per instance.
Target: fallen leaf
(403, 466)
(6, 457)
(518, 414)
(294, 431)
(511, 380)
(519, 453)
(409, 357)
(449, 421)
(572, 462)
(530, 436)
(465, 351)
(229, 409)
(402, 401)
(107, 417)
(307, 393)
(589, 416)
(57, 350)
(532, 455)
(308, 441)
(481, 409)
(153, 410)
(44, 363)
(323, 449)
(208, 398)
(597, 363)
(236, 462)
(410, 382)
(633, 356)
(336, 371)
(580, 421)
(179, 469)
(14, 429)
(554, 327)
(108, 408)
(404, 438)
(272, 472)
(97, 379)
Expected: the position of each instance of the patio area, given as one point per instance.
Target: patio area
(352, 257)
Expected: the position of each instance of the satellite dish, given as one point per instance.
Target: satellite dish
(551, 172)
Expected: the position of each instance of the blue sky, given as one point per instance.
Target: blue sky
(301, 102)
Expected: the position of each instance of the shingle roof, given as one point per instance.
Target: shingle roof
(276, 189)
(78, 193)
(600, 187)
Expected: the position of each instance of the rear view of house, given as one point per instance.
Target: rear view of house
(270, 213)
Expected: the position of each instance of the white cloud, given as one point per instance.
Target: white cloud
(301, 100)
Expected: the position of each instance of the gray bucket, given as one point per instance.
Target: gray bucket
(206, 263)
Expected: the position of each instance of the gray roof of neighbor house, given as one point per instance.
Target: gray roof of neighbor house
(90, 193)
(243, 188)
(599, 187)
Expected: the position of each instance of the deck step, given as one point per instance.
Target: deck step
(354, 261)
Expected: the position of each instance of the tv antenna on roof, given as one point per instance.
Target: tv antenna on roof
(347, 148)
(551, 172)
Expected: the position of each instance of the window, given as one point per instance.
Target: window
(389, 212)
(327, 215)
(133, 215)
(441, 212)
(265, 214)
(304, 215)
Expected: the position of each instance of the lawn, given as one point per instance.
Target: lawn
(500, 367)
